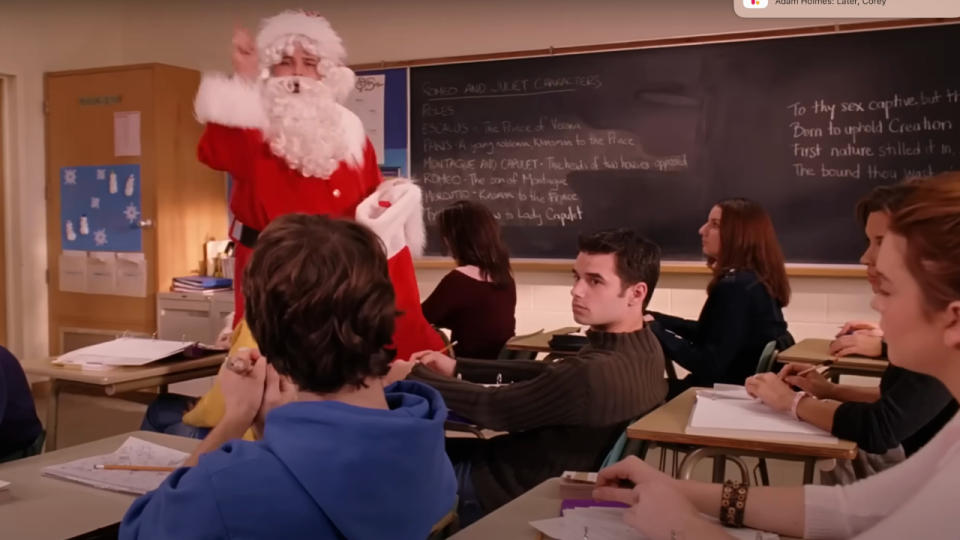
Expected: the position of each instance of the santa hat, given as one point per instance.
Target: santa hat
(313, 31)
(395, 213)
(279, 33)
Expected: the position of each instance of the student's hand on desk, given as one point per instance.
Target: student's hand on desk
(861, 342)
(243, 392)
(660, 512)
(616, 482)
(770, 389)
(657, 508)
(436, 361)
(812, 382)
(866, 327)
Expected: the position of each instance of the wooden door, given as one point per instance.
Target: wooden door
(80, 107)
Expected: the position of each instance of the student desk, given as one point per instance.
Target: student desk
(114, 381)
(539, 341)
(667, 423)
(512, 520)
(39, 507)
(815, 351)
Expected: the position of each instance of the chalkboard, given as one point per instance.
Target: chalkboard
(651, 138)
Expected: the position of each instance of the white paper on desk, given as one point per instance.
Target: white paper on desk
(125, 351)
(134, 451)
(101, 272)
(126, 133)
(131, 275)
(746, 418)
(73, 271)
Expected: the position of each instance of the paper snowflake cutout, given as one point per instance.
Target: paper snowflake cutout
(70, 177)
(100, 237)
(94, 202)
(131, 213)
(101, 174)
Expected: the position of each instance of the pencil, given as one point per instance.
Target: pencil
(825, 363)
(449, 348)
(134, 468)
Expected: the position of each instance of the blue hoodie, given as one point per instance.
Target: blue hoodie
(324, 469)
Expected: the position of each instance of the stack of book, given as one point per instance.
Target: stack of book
(206, 285)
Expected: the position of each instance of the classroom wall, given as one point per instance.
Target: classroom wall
(49, 35)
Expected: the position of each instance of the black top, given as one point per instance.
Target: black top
(724, 344)
(19, 425)
(479, 314)
(912, 408)
(560, 416)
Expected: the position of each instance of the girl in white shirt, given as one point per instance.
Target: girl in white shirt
(919, 304)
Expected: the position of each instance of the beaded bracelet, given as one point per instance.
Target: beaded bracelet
(733, 499)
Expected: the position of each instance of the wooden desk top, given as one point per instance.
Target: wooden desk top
(40, 507)
(668, 423)
(815, 351)
(512, 520)
(44, 367)
(538, 341)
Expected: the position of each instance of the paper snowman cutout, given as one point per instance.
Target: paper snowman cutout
(113, 182)
(71, 234)
(128, 188)
(84, 225)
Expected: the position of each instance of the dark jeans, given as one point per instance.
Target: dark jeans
(165, 415)
(469, 508)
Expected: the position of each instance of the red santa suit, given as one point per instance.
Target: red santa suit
(265, 186)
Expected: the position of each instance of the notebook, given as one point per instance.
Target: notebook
(729, 412)
(134, 451)
(125, 351)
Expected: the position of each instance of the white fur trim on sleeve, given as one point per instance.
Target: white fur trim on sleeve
(230, 101)
(400, 224)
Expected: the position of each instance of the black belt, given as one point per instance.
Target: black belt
(248, 236)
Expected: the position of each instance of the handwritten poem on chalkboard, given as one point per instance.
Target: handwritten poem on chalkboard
(517, 159)
(896, 136)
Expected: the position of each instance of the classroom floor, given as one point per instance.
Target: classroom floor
(86, 418)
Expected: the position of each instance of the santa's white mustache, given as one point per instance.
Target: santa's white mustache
(277, 86)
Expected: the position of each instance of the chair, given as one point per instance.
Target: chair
(767, 357)
(691, 460)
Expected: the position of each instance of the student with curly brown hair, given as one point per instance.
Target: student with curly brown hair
(341, 456)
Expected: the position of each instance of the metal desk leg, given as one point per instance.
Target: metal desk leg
(809, 465)
(719, 468)
(53, 412)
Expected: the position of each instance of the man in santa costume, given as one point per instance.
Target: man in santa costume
(278, 127)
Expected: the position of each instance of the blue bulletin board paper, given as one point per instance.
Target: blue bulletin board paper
(100, 208)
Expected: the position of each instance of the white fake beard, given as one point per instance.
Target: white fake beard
(306, 129)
